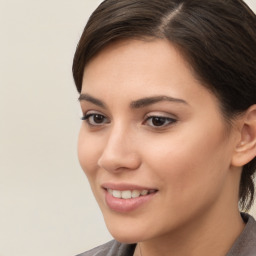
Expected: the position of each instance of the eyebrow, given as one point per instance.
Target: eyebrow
(155, 99)
(87, 97)
(140, 103)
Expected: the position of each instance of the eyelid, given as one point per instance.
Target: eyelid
(92, 113)
(171, 120)
(161, 114)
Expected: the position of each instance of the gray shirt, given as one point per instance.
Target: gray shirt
(245, 245)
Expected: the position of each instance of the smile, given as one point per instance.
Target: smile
(124, 198)
(129, 194)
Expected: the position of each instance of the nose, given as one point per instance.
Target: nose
(120, 152)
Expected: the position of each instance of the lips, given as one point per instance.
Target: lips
(124, 198)
(128, 194)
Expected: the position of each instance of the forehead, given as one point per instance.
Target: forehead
(141, 67)
(138, 62)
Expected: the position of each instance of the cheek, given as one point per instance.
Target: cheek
(189, 164)
(88, 150)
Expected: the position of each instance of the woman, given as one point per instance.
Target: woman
(168, 143)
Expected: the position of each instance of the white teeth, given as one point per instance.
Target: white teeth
(135, 193)
(117, 193)
(144, 192)
(128, 194)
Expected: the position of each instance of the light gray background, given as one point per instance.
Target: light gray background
(46, 207)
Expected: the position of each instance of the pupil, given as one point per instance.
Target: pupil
(98, 119)
(158, 121)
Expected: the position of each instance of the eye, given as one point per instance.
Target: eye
(159, 121)
(95, 119)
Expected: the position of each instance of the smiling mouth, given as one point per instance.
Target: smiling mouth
(129, 194)
(125, 198)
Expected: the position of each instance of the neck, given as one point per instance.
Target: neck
(199, 238)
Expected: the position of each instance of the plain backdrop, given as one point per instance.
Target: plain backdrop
(46, 206)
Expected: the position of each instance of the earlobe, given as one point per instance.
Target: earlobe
(245, 149)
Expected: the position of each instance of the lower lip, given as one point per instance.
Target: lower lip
(126, 205)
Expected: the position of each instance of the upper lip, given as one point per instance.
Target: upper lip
(125, 186)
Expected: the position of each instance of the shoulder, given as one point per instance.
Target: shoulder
(245, 245)
(112, 248)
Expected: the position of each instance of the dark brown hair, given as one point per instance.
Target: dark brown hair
(217, 38)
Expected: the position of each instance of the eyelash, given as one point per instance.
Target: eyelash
(88, 116)
(166, 121)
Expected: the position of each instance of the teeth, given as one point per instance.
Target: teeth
(117, 193)
(144, 192)
(135, 193)
(128, 194)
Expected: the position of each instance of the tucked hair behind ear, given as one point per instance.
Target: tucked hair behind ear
(217, 38)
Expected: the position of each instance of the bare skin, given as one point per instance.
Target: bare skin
(150, 123)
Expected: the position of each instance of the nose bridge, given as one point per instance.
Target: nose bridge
(118, 138)
(120, 149)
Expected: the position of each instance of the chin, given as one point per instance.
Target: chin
(127, 238)
(127, 235)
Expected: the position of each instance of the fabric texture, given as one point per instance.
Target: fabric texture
(245, 245)
(112, 248)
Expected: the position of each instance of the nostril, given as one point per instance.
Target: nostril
(117, 163)
(119, 153)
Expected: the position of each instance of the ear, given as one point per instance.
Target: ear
(245, 149)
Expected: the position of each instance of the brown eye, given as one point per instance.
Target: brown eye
(98, 119)
(159, 121)
(95, 119)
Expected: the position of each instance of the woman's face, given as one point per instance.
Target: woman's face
(153, 144)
